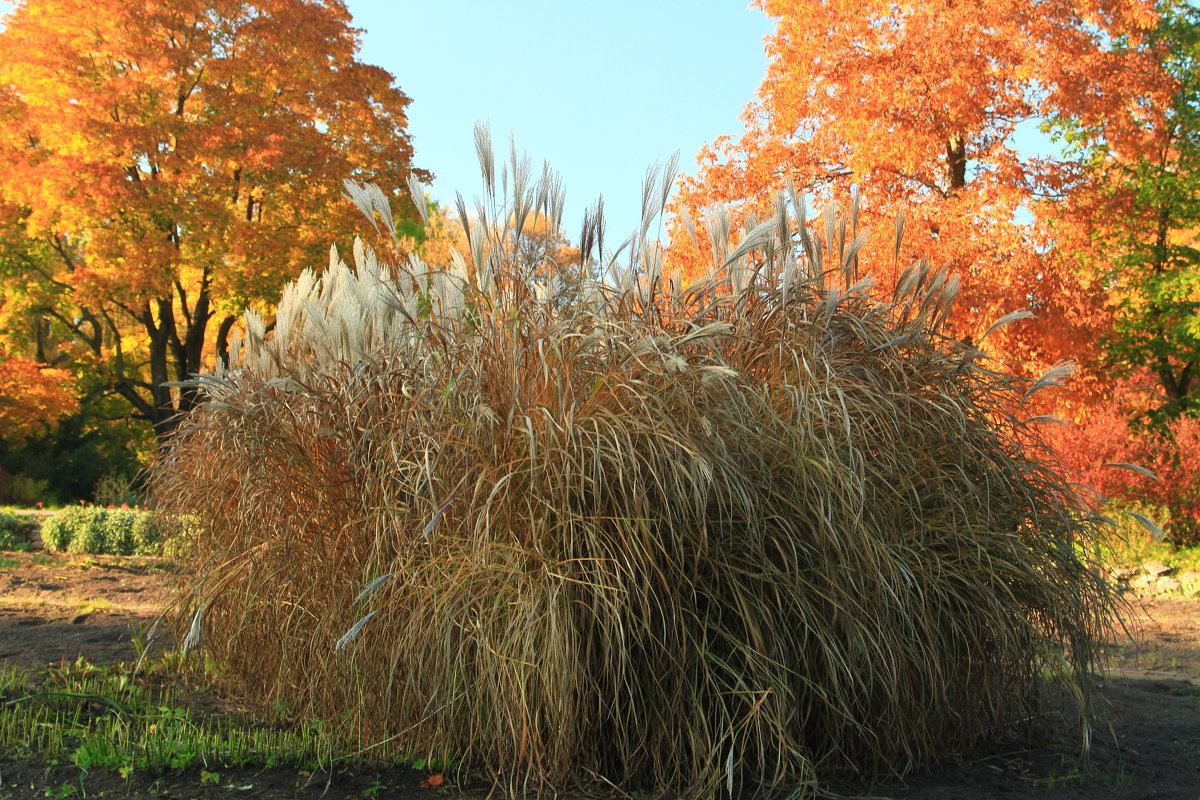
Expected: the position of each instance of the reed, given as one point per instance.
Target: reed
(746, 533)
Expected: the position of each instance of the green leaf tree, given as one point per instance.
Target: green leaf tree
(1146, 219)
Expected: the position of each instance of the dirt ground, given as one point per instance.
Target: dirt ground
(1145, 734)
(55, 608)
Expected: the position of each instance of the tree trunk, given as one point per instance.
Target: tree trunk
(223, 338)
(1177, 385)
(173, 358)
(162, 406)
(1175, 380)
(956, 161)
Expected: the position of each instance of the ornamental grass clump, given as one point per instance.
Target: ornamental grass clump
(740, 534)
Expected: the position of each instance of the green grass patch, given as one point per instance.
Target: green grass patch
(120, 720)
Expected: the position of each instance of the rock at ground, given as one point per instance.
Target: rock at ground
(1166, 584)
(1142, 583)
(1156, 569)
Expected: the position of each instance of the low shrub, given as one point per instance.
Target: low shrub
(115, 489)
(1129, 541)
(737, 535)
(10, 534)
(103, 531)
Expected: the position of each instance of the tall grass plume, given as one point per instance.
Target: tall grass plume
(745, 533)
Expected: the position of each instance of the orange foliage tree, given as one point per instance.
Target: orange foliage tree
(1089, 452)
(179, 160)
(916, 102)
(32, 398)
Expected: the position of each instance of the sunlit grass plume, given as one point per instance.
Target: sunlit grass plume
(743, 533)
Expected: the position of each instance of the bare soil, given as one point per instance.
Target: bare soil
(55, 607)
(1145, 734)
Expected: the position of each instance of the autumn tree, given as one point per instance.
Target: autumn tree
(32, 397)
(1144, 210)
(917, 103)
(433, 237)
(174, 161)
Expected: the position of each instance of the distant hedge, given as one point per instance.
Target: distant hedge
(104, 531)
(10, 537)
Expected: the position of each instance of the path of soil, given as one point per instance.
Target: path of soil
(1145, 742)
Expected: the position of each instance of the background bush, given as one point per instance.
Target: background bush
(103, 531)
(69, 463)
(115, 489)
(20, 490)
(10, 536)
(1171, 450)
(740, 534)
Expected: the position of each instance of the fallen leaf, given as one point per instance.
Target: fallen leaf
(433, 781)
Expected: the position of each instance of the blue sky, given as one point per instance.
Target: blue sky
(600, 90)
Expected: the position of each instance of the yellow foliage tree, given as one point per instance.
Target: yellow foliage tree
(179, 160)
